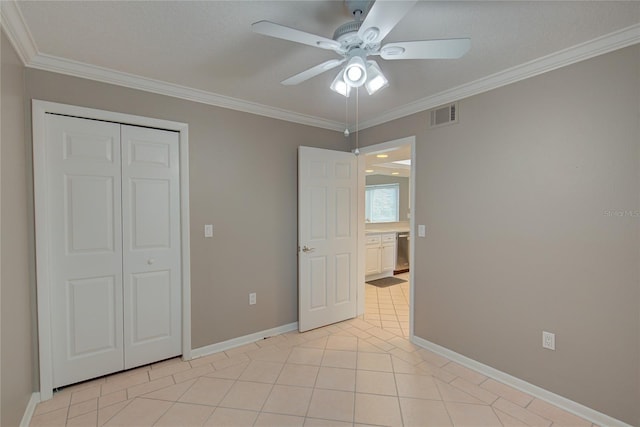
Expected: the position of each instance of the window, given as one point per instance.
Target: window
(381, 202)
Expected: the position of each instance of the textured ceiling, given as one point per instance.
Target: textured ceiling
(209, 45)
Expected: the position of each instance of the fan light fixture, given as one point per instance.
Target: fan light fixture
(376, 80)
(340, 86)
(354, 74)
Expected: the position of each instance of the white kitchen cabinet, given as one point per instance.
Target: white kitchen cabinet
(372, 254)
(380, 254)
(388, 255)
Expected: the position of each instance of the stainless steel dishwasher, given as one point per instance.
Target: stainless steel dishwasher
(402, 253)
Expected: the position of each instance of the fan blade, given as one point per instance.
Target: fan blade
(382, 17)
(313, 71)
(281, 32)
(426, 49)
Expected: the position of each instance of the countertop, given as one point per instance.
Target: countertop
(387, 230)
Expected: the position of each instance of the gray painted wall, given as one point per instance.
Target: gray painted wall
(516, 200)
(16, 252)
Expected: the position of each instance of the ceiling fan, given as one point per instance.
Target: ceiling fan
(356, 40)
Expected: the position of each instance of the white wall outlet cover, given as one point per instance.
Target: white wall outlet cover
(208, 230)
(252, 298)
(548, 340)
(422, 230)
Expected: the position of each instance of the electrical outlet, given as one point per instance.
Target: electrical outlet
(422, 230)
(208, 230)
(548, 340)
(252, 298)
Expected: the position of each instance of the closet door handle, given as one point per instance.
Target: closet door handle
(151, 261)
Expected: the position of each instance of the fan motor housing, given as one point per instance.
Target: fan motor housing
(347, 34)
(346, 29)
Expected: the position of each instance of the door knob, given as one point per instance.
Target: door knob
(305, 249)
(151, 261)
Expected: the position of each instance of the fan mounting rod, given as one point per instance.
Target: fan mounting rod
(358, 8)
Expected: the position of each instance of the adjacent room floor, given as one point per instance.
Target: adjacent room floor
(348, 374)
(388, 308)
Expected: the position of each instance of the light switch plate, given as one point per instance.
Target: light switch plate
(208, 230)
(422, 230)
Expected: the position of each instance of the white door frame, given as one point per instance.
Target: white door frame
(411, 140)
(39, 110)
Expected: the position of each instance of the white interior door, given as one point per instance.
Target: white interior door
(83, 191)
(151, 229)
(327, 237)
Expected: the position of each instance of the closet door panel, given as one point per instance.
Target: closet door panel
(91, 323)
(150, 216)
(151, 230)
(151, 295)
(83, 190)
(90, 226)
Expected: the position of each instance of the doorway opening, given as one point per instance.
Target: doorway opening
(386, 190)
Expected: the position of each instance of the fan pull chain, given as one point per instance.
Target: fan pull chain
(346, 117)
(357, 150)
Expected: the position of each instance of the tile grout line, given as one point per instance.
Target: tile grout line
(271, 390)
(117, 412)
(355, 389)
(163, 414)
(497, 416)
(235, 381)
(395, 382)
(315, 381)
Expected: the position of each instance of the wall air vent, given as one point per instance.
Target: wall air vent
(444, 115)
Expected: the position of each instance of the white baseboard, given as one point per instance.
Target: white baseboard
(247, 339)
(31, 407)
(561, 402)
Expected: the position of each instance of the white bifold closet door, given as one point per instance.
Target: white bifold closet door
(114, 226)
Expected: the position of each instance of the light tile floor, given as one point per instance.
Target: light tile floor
(388, 308)
(348, 374)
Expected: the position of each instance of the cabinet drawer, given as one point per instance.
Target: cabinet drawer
(373, 240)
(391, 237)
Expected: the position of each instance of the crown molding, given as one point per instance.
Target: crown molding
(616, 40)
(106, 75)
(17, 31)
